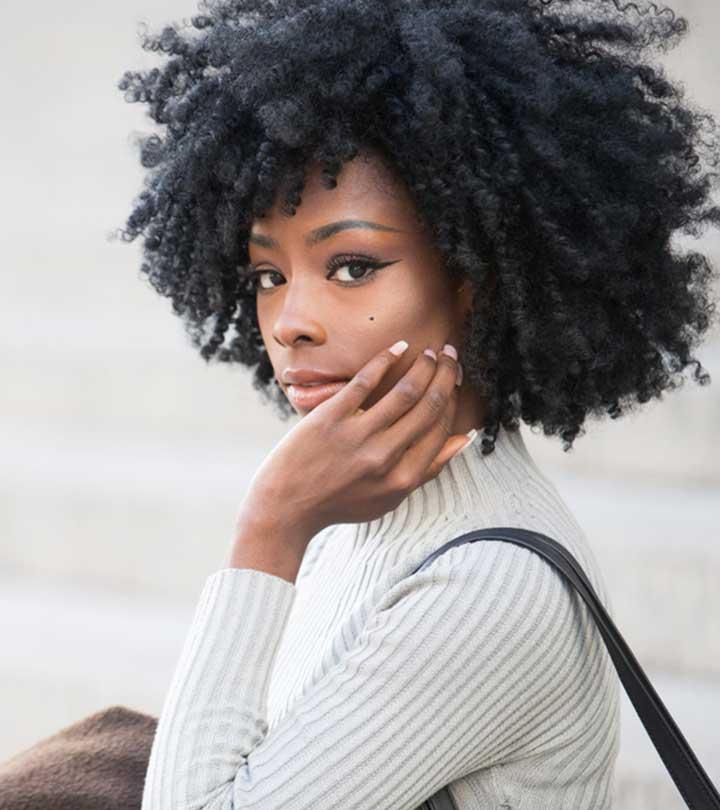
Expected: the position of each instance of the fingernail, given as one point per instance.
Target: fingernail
(399, 347)
(430, 353)
(472, 435)
(450, 350)
(459, 375)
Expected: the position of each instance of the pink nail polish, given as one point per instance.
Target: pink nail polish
(472, 435)
(399, 347)
(450, 350)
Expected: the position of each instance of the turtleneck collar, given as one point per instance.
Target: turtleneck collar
(469, 484)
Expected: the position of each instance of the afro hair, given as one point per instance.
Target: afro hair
(542, 148)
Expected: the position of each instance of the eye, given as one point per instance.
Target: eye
(256, 279)
(355, 267)
(360, 270)
(357, 270)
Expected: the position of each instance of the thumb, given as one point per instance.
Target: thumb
(454, 445)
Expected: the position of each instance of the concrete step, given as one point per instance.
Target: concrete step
(659, 552)
(151, 517)
(643, 782)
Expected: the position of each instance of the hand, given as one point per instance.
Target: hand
(341, 464)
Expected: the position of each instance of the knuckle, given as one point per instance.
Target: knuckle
(353, 444)
(436, 400)
(376, 461)
(330, 430)
(407, 391)
(402, 482)
(446, 425)
(362, 382)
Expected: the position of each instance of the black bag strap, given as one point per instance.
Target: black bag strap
(686, 771)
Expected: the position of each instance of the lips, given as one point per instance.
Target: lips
(306, 397)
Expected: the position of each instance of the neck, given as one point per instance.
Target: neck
(471, 484)
(470, 411)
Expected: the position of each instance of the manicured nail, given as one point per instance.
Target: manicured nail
(450, 350)
(430, 353)
(459, 375)
(399, 347)
(472, 436)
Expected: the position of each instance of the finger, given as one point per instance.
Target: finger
(403, 396)
(349, 398)
(431, 408)
(454, 445)
(436, 443)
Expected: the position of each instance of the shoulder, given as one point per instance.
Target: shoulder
(486, 583)
(496, 587)
(507, 620)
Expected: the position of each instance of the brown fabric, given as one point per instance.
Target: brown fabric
(98, 763)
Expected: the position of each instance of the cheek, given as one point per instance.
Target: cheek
(421, 318)
(376, 343)
(404, 310)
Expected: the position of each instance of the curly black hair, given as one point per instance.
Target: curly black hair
(541, 151)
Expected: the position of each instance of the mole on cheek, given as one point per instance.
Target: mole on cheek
(372, 317)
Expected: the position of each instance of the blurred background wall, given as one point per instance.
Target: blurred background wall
(124, 456)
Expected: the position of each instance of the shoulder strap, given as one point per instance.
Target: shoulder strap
(686, 771)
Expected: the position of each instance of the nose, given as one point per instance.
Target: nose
(299, 316)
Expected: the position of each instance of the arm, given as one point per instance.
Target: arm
(440, 681)
(272, 548)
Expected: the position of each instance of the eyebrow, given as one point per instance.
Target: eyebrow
(324, 232)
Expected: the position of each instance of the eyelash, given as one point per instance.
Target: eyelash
(334, 264)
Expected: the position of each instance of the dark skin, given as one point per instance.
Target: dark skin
(399, 419)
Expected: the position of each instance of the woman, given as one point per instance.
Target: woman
(455, 215)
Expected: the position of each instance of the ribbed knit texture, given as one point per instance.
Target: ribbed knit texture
(363, 687)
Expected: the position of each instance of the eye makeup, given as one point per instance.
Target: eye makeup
(364, 262)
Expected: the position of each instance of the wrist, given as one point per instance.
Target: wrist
(272, 533)
(270, 545)
(269, 557)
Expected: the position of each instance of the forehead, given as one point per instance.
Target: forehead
(367, 188)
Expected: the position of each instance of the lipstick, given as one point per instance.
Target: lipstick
(306, 397)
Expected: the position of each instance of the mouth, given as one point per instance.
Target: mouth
(306, 397)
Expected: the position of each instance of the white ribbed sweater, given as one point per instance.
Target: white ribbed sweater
(361, 687)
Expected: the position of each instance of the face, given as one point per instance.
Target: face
(329, 299)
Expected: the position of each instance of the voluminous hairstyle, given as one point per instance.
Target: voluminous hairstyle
(543, 150)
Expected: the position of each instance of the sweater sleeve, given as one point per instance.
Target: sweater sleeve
(448, 674)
